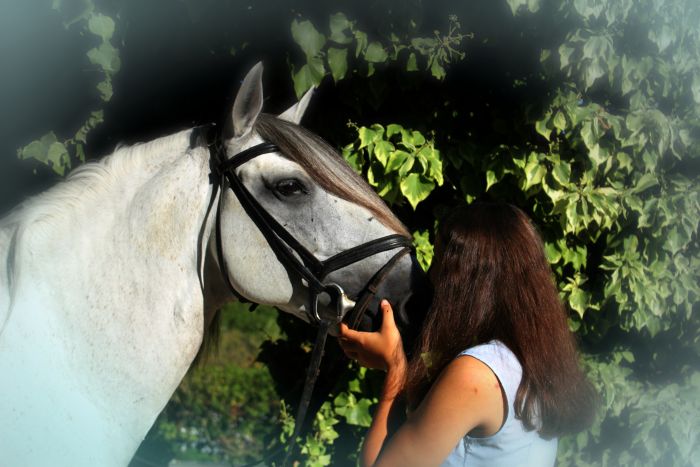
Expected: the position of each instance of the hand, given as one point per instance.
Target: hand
(382, 350)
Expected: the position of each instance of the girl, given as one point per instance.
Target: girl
(495, 378)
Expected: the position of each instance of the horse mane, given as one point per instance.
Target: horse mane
(40, 212)
(92, 178)
(326, 166)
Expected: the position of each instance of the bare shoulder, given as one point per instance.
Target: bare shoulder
(473, 388)
(471, 374)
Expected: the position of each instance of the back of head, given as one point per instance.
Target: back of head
(492, 281)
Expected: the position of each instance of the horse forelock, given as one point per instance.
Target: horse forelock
(326, 166)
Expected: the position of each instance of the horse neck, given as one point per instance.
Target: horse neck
(111, 290)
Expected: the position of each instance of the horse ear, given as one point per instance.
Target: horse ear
(248, 103)
(296, 112)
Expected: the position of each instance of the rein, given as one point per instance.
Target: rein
(295, 257)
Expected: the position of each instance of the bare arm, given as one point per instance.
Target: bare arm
(466, 396)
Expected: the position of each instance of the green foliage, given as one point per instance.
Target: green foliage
(60, 156)
(398, 162)
(226, 407)
(347, 42)
(350, 404)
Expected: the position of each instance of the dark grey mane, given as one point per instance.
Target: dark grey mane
(323, 163)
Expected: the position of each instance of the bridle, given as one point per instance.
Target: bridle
(295, 257)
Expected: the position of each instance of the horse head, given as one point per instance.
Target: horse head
(307, 188)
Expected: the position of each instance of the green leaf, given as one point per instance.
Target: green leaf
(308, 76)
(578, 300)
(382, 151)
(595, 70)
(105, 88)
(393, 129)
(102, 26)
(562, 172)
(424, 250)
(516, 5)
(416, 188)
(491, 179)
(560, 121)
(338, 63)
(534, 172)
(57, 155)
(361, 39)
(645, 182)
(597, 48)
(411, 64)
(565, 53)
(396, 160)
(106, 57)
(662, 37)
(338, 25)
(552, 253)
(590, 139)
(437, 70)
(541, 126)
(375, 53)
(424, 45)
(308, 38)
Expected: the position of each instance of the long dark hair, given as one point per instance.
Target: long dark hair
(492, 281)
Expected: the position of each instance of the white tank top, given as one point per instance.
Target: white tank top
(512, 445)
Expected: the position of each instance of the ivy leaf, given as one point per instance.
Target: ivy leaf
(491, 179)
(106, 57)
(578, 300)
(396, 160)
(338, 25)
(662, 37)
(562, 172)
(308, 76)
(382, 151)
(338, 63)
(645, 182)
(361, 39)
(516, 5)
(416, 188)
(565, 53)
(552, 253)
(590, 139)
(308, 38)
(542, 127)
(559, 121)
(102, 26)
(105, 88)
(393, 129)
(375, 53)
(411, 64)
(57, 155)
(437, 70)
(424, 45)
(594, 71)
(534, 172)
(424, 250)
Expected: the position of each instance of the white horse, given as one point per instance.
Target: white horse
(109, 279)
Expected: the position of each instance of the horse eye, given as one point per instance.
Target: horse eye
(290, 187)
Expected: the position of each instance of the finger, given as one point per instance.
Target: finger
(347, 333)
(387, 315)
